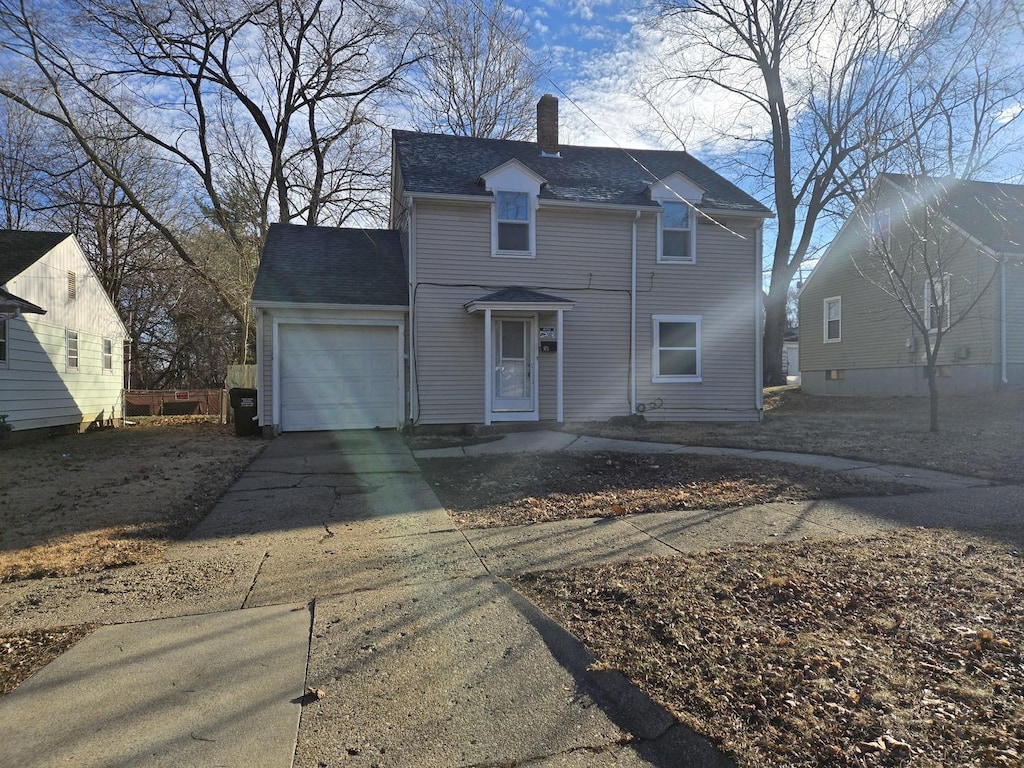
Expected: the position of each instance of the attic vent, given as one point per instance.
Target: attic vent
(72, 286)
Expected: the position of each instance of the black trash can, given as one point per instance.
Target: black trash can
(243, 403)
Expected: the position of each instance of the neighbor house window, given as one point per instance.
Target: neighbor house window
(512, 212)
(881, 231)
(108, 355)
(678, 242)
(676, 352)
(3, 343)
(833, 319)
(71, 337)
(936, 304)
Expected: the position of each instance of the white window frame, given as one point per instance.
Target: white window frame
(530, 222)
(656, 375)
(692, 230)
(943, 303)
(838, 301)
(5, 345)
(881, 231)
(69, 336)
(107, 356)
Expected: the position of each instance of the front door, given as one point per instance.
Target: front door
(513, 366)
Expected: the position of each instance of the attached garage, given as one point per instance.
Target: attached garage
(331, 307)
(339, 377)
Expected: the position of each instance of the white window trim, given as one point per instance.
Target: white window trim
(945, 284)
(67, 350)
(531, 213)
(876, 231)
(824, 307)
(656, 320)
(104, 357)
(662, 259)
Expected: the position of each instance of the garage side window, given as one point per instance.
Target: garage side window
(677, 348)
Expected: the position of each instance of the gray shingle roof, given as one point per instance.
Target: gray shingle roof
(454, 165)
(517, 295)
(19, 250)
(991, 212)
(328, 265)
(11, 303)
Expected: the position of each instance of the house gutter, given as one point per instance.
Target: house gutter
(632, 318)
(1002, 320)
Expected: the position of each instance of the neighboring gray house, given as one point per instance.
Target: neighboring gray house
(857, 339)
(537, 282)
(61, 340)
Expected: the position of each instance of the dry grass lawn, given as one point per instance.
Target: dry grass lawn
(980, 436)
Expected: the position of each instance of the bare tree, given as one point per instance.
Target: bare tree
(276, 98)
(24, 158)
(477, 76)
(829, 90)
(921, 256)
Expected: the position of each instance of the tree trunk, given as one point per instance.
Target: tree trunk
(774, 328)
(933, 400)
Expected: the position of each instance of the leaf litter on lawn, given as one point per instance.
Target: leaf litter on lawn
(519, 489)
(892, 650)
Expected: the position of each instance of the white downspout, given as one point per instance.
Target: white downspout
(759, 325)
(1002, 319)
(632, 320)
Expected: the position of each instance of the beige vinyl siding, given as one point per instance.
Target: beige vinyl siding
(720, 288)
(36, 389)
(582, 255)
(1015, 313)
(265, 382)
(877, 333)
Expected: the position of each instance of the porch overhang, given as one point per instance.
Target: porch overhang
(519, 300)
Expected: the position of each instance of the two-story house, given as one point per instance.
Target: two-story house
(522, 281)
(920, 256)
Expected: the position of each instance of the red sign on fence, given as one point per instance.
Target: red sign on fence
(181, 395)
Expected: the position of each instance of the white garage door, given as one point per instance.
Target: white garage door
(338, 377)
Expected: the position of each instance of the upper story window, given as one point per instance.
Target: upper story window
(833, 319)
(678, 235)
(514, 223)
(676, 349)
(71, 338)
(881, 231)
(108, 355)
(936, 304)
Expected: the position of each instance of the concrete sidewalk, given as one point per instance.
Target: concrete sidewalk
(540, 441)
(330, 564)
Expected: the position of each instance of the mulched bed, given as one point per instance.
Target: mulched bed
(490, 491)
(895, 650)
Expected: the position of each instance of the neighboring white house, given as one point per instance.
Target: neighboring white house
(522, 281)
(61, 340)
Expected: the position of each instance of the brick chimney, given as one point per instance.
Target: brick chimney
(547, 125)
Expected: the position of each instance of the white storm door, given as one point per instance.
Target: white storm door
(513, 366)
